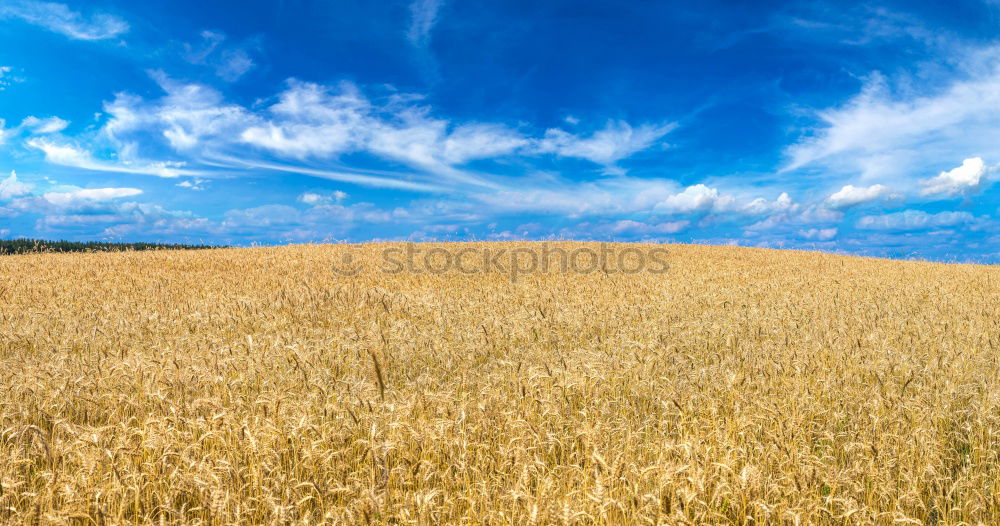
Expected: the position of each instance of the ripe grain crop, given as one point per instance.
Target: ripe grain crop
(255, 386)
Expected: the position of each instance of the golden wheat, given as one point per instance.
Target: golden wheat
(256, 386)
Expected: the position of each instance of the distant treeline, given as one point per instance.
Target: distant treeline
(30, 246)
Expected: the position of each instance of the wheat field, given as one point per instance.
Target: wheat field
(256, 386)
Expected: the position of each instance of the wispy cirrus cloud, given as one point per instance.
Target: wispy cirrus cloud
(88, 195)
(73, 156)
(423, 16)
(894, 133)
(310, 123)
(61, 19)
(616, 141)
(230, 62)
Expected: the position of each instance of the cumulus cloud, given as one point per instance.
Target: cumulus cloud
(101, 211)
(759, 206)
(73, 209)
(11, 187)
(962, 180)
(703, 199)
(914, 220)
(697, 198)
(61, 19)
(851, 195)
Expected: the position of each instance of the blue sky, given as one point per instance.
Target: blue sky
(866, 129)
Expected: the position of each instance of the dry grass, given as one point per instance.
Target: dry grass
(246, 386)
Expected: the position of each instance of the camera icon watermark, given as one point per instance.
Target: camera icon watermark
(346, 265)
(515, 263)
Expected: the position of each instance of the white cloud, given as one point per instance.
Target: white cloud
(5, 78)
(480, 141)
(851, 195)
(760, 206)
(703, 199)
(891, 130)
(187, 114)
(192, 118)
(32, 125)
(61, 19)
(312, 123)
(964, 179)
(11, 187)
(44, 126)
(310, 198)
(372, 178)
(308, 120)
(88, 195)
(68, 155)
(82, 206)
(914, 220)
(616, 141)
(697, 198)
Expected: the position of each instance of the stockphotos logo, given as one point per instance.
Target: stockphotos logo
(415, 258)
